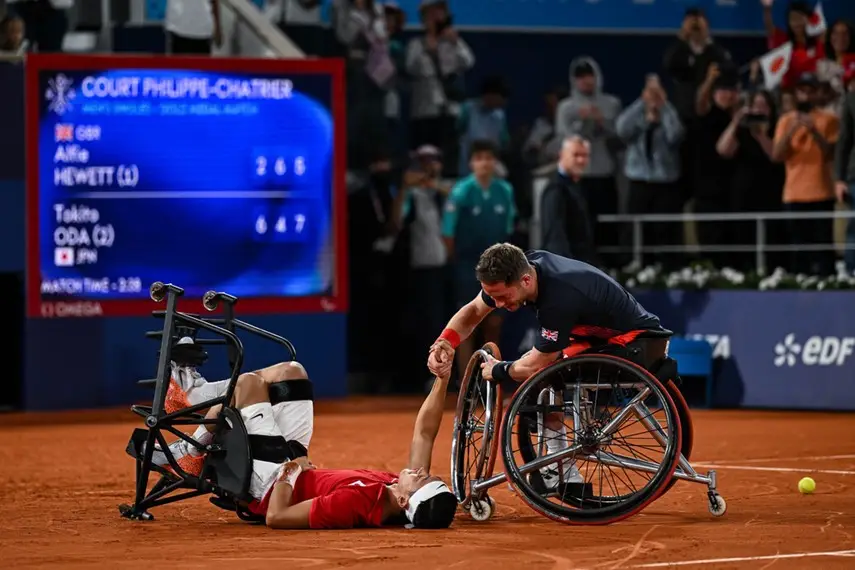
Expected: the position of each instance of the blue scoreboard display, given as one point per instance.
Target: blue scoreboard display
(207, 173)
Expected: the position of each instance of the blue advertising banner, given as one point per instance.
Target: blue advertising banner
(782, 349)
(599, 15)
(725, 16)
(733, 16)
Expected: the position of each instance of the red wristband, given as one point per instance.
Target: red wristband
(451, 336)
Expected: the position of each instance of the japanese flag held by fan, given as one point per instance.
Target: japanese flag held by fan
(775, 64)
(816, 23)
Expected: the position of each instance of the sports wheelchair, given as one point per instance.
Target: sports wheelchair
(617, 415)
(227, 468)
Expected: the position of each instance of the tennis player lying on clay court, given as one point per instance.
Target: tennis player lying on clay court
(295, 494)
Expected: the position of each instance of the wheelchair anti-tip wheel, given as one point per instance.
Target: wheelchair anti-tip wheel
(717, 505)
(476, 422)
(590, 455)
(482, 509)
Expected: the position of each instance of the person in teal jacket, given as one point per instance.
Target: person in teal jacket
(479, 212)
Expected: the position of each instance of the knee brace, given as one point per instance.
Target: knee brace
(291, 391)
(293, 405)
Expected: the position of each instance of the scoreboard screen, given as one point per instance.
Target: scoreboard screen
(207, 173)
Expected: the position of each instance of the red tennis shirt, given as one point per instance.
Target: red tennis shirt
(343, 498)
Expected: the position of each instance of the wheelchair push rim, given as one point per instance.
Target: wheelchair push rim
(475, 435)
(608, 402)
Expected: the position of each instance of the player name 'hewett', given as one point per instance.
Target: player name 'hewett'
(185, 88)
(122, 175)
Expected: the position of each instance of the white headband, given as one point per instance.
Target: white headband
(429, 491)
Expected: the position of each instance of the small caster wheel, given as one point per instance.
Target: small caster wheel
(210, 300)
(717, 505)
(482, 509)
(157, 291)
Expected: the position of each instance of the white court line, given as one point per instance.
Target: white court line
(778, 469)
(846, 553)
(774, 459)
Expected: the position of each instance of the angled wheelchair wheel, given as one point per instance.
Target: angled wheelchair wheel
(619, 430)
(528, 426)
(477, 420)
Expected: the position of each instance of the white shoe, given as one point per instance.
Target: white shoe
(178, 449)
(570, 474)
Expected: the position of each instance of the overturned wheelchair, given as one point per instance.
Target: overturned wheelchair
(591, 439)
(228, 459)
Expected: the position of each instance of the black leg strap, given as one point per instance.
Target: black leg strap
(291, 391)
(275, 449)
(270, 448)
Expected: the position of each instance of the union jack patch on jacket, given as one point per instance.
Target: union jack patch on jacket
(549, 335)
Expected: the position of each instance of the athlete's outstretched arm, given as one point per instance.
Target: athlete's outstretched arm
(427, 425)
(457, 330)
(469, 316)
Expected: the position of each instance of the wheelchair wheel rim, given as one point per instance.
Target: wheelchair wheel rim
(472, 456)
(623, 498)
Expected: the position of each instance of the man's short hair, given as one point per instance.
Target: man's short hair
(576, 139)
(502, 263)
(482, 145)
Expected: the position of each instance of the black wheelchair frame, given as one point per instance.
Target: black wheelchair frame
(228, 465)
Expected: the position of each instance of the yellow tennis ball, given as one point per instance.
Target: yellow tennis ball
(807, 486)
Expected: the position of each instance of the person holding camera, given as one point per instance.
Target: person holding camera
(757, 180)
(688, 59)
(436, 63)
(804, 141)
(652, 131)
(418, 212)
(360, 28)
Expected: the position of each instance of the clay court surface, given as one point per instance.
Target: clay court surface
(63, 475)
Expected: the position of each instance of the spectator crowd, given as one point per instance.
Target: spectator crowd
(435, 175)
(706, 135)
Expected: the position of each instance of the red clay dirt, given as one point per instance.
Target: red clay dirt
(63, 475)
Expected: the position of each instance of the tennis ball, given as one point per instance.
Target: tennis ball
(807, 486)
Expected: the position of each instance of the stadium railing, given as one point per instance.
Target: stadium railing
(761, 246)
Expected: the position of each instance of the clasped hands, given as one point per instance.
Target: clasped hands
(441, 359)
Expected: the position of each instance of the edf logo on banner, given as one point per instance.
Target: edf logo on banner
(816, 351)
